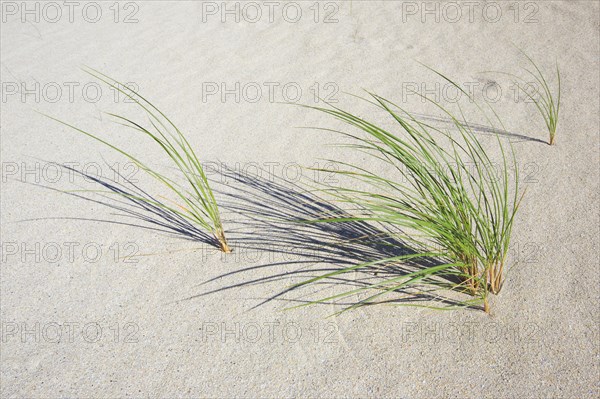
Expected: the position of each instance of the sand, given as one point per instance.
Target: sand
(82, 319)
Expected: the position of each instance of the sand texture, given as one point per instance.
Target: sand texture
(81, 317)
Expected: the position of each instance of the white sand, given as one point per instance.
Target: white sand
(543, 338)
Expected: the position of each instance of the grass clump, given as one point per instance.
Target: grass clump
(546, 102)
(446, 200)
(196, 202)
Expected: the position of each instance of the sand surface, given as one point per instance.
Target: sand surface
(80, 318)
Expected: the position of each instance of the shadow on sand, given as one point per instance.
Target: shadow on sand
(274, 215)
(271, 215)
(482, 129)
(124, 198)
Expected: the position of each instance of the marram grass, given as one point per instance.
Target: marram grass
(195, 200)
(546, 101)
(446, 198)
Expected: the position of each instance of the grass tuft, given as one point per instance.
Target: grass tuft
(446, 197)
(546, 102)
(196, 202)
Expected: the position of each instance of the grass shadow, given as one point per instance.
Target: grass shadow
(273, 215)
(482, 129)
(132, 205)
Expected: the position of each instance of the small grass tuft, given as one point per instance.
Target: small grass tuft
(196, 201)
(547, 102)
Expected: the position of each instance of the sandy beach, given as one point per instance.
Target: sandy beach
(93, 308)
